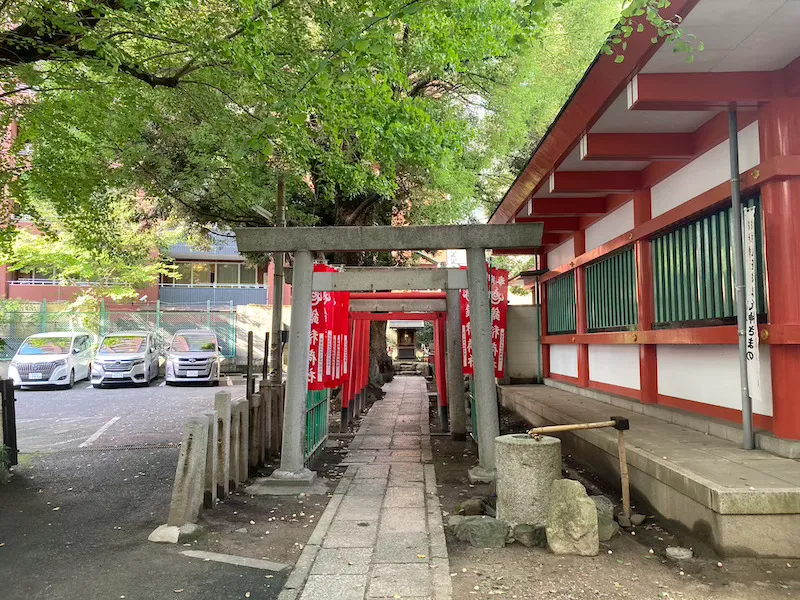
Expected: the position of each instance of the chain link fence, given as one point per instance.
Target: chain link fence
(18, 322)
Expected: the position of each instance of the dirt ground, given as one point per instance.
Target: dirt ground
(273, 528)
(633, 564)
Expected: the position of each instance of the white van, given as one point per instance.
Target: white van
(58, 358)
(126, 357)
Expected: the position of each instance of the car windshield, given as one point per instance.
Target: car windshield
(45, 345)
(122, 344)
(194, 342)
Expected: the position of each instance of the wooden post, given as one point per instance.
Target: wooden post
(620, 424)
(623, 473)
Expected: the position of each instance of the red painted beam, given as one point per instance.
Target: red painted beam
(587, 182)
(637, 146)
(398, 295)
(568, 207)
(365, 316)
(553, 224)
(517, 252)
(702, 91)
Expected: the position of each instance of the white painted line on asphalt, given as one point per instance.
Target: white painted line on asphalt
(230, 381)
(240, 561)
(93, 438)
(162, 384)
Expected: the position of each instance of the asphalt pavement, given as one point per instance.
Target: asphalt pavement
(95, 478)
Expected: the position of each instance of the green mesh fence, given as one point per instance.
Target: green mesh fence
(316, 423)
(17, 323)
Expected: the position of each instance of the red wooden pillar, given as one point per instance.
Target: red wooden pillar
(364, 357)
(779, 131)
(580, 310)
(347, 385)
(648, 357)
(543, 317)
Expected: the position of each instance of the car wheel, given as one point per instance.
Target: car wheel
(215, 383)
(71, 383)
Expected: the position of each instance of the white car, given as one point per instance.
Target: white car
(126, 357)
(58, 358)
(194, 357)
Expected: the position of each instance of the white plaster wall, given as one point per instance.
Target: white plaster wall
(705, 172)
(613, 225)
(523, 342)
(561, 255)
(564, 360)
(710, 374)
(615, 365)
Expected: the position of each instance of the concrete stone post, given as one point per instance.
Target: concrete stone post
(212, 447)
(239, 436)
(526, 467)
(255, 429)
(222, 405)
(455, 376)
(485, 389)
(292, 469)
(189, 487)
(243, 406)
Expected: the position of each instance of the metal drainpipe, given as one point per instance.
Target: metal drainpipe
(738, 258)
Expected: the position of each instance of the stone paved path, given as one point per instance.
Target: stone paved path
(381, 535)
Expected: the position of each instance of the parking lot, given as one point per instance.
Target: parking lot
(52, 419)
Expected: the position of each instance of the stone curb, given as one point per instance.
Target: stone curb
(440, 564)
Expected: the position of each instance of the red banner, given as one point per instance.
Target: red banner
(498, 294)
(327, 358)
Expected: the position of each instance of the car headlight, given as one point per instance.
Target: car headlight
(138, 361)
(14, 364)
(60, 363)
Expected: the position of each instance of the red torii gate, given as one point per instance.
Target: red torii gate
(353, 396)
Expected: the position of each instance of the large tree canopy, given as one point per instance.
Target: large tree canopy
(375, 111)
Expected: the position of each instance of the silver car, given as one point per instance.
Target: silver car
(126, 357)
(194, 356)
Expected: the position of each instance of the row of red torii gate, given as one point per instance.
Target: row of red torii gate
(325, 341)
(339, 351)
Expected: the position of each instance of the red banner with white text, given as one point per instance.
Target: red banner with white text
(329, 318)
(498, 294)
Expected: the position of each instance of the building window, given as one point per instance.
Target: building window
(611, 300)
(227, 273)
(693, 272)
(249, 275)
(203, 274)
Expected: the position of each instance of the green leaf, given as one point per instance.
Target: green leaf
(620, 58)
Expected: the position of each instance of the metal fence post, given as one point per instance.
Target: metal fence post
(8, 423)
(158, 321)
(232, 330)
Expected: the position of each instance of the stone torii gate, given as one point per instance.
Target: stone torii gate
(305, 241)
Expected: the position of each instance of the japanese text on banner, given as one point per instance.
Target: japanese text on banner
(498, 294)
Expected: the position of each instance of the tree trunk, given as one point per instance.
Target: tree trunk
(381, 370)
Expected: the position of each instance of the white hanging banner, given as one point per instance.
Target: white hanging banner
(751, 303)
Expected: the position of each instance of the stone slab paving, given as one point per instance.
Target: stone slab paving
(381, 535)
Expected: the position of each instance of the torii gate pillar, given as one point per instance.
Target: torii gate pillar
(485, 390)
(293, 469)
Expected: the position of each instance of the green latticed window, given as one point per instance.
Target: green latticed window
(611, 300)
(693, 270)
(561, 304)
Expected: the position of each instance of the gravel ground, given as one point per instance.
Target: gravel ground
(625, 567)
